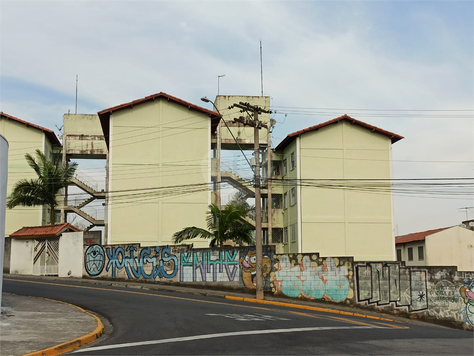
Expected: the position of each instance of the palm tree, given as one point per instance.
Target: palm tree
(52, 177)
(223, 224)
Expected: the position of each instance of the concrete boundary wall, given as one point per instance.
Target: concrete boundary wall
(440, 294)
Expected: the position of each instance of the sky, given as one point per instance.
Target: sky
(403, 66)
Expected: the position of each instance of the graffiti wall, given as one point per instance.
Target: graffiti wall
(248, 267)
(439, 293)
(232, 267)
(312, 277)
(386, 283)
(451, 294)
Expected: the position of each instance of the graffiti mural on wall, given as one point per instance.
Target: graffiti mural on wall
(147, 262)
(248, 267)
(467, 294)
(215, 266)
(388, 282)
(94, 260)
(313, 277)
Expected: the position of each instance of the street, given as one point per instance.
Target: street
(147, 322)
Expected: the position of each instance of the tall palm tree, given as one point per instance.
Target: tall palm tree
(222, 225)
(52, 177)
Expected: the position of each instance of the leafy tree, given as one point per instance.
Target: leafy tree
(223, 224)
(52, 177)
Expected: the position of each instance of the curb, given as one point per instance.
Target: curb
(72, 344)
(290, 305)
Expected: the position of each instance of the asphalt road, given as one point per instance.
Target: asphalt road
(147, 322)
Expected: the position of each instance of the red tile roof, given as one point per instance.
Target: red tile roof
(49, 133)
(42, 232)
(417, 236)
(104, 115)
(288, 139)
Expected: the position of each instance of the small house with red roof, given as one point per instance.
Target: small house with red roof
(43, 250)
(447, 246)
(25, 137)
(331, 185)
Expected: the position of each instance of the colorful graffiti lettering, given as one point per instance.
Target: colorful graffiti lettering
(310, 280)
(248, 266)
(162, 264)
(211, 263)
(467, 294)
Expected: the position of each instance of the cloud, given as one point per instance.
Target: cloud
(340, 55)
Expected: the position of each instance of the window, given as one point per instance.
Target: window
(293, 233)
(285, 235)
(421, 253)
(277, 236)
(276, 168)
(292, 196)
(410, 253)
(399, 254)
(284, 167)
(276, 201)
(292, 161)
(285, 200)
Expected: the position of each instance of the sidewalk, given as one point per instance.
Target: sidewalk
(30, 324)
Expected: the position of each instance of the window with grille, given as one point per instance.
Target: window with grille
(285, 200)
(277, 236)
(285, 235)
(284, 167)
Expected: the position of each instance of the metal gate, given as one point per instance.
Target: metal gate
(46, 257)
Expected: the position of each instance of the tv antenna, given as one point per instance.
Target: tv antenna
(466, 208)
(219, 77)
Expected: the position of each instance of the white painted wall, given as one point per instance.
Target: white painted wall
(70, 254)
(451, 247)
(21, 258)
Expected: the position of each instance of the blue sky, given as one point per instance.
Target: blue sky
(343, 55)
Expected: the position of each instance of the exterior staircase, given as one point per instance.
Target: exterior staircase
(91, 189)
(85, 216)
(243, 185)
(87, 187)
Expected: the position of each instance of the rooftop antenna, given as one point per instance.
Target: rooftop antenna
(219, 77)
(76, 94)
(261, 68)
(466, 208)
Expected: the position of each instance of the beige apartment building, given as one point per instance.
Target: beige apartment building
(319, 200)
(159, 168)
(24, 137)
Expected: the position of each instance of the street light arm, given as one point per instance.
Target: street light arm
(207, 100)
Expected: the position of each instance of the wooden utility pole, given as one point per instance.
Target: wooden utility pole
(257, 125)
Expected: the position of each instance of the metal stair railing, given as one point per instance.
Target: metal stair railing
(87, 181)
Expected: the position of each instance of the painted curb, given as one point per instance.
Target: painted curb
(296, 306)
(75, 343)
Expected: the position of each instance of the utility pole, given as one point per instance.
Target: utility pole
(257, 125)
